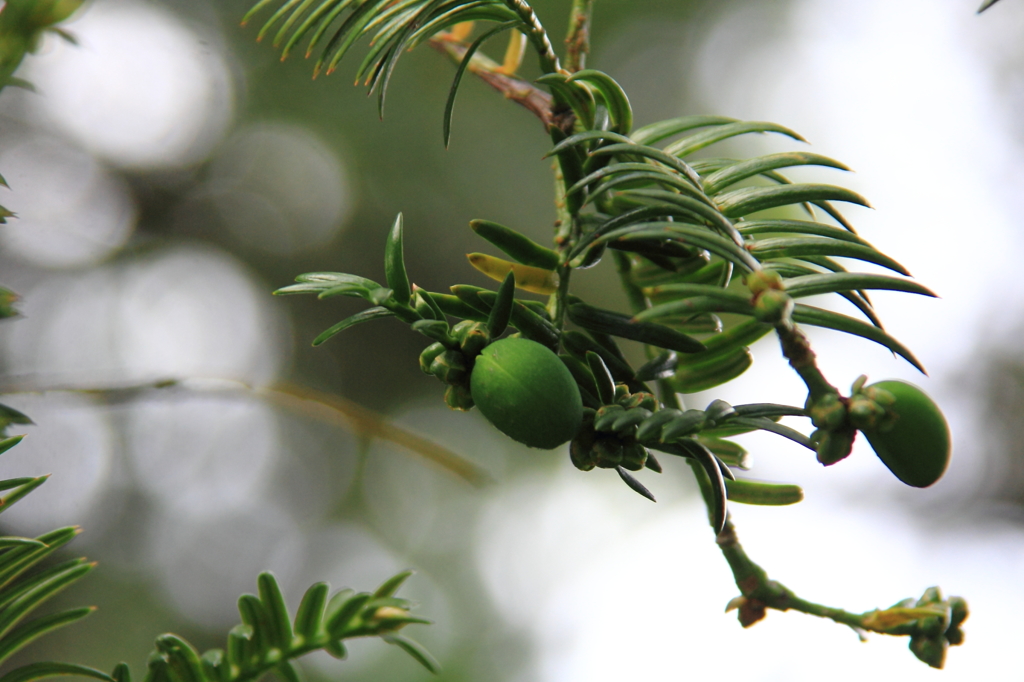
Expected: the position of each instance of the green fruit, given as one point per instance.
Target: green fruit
(913, 438)
(527, 393)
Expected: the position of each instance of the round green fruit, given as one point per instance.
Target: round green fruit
(913, 438)
(527, 393)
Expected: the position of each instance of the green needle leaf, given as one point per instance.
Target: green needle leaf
(690, 235)
(449, 105)
(752, 227)
(631, 171)
(706, 138)
(339, 620)
(603, 378)
(122, 673)
(695, 299)
(660, 367)
(414, 649)
(390, 586)
(719, 369)
(704, 213)
(634, 484)
(812, 285)
(309, 617)
(501, 313)
(287, 672)
(803, 247)
(709, 463)
(516, 246)
(615, 324)
(18, 608)
(685, 424)
(631, 149)
(742, 170)
(764, 424)
(586, 137)
(39, 671)
(13, 416)
(578, 96)
(394, 264)
(365, 316)
(747, 200)
(769, 410)
(650, 429)
(577, 344)
(765, 494)
(584, 378)
(29, 632)
(8, 500)
(182, 659)
(805, 314)
(662, 130)
(277, 611)
(613, 95)
(8, 443)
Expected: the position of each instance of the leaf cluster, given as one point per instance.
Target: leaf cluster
(267, 640)
(333, 27)
(25, 584)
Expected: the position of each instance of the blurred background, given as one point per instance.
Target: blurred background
(171, 172)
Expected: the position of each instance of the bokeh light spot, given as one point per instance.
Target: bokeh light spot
(279, 189)
(71, 211)
(141, 89)
(186, 312)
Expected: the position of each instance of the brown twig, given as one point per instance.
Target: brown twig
(525, 94)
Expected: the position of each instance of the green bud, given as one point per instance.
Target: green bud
(634, 457)
(428, 355)
(608, 452)
(581, 449)
(422, 307)
(834, 446)
(828, 412)
(606, 416)
(932, 595)
(865, 413)
(450, 367)
(582, 455)
(763, 280)
(642, 399)
(773, 307)
(473, 337)
(958, 611)
(458, 398)
(929, 650)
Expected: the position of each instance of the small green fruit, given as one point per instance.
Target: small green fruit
(913, 439)
(527, 393)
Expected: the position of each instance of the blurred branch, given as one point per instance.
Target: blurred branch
(370, 424)
(318, 405)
